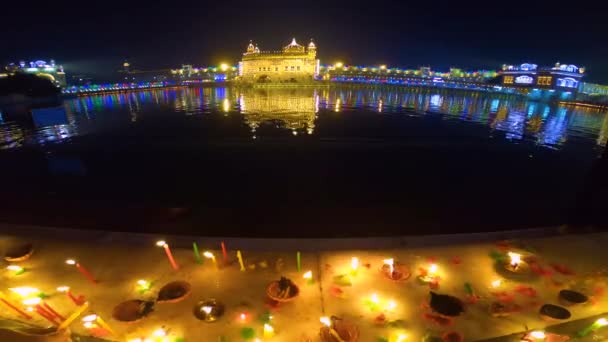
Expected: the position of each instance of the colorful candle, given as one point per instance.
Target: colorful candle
(240, 257)
(48, 308)
(268, 331)
(105, 325)
(225, 253)
(593, 327)
(197, 254)
(45, 314)
(354, 264)
(82, 270)
(164, 245)
(515, 259)
(210, 255)
(390, 263)
(143, 285)
(73, 316)
(8, 303)
(78, 301)
(308, 277)
(299, 261)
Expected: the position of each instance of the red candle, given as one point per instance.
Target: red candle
(82, 270)
(78, 301)
(49, 317)
(224, 253)
(169, 254)
(19, 311)
(52, 311)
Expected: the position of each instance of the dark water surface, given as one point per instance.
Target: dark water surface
(298, 162)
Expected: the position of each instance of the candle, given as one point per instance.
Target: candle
(593, 327)
(515, 259)
(45, 314)
(95, 318)
(8, 303)
(197, 255)
(268, 331)
(105, 325)
(164, 245)
(299, 261)
(143, 285)
(210, 255)
(82, 270)
(390, 263)
(225, 254)
(51, 310)
(35, 302)
(78, 301)
(308, 277)
(17, 269)
(240, 257)
(73, 316)
(354, 264)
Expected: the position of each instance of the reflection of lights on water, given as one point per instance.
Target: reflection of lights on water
(226, 105)
(337, 108)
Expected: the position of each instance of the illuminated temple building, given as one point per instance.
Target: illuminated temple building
(40, 68)
(294, 63)
(561, 77)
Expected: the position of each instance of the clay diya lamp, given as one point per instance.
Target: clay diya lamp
(516, 264)
(132, 310)
(570, 297)
(340, 330)
(174, 292)
(445, 305)
(283, 290)
(396, 271)
(20, 252)
(209, 310)
(550, 312)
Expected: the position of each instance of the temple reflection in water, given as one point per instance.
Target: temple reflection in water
(293, 109)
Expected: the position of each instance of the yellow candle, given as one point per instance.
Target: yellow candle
(105, 325)
(240, 257)
(212, 257)
(73, 316)
(268, 331)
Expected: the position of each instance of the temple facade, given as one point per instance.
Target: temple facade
(294, 63)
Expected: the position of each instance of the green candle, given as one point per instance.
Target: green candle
(299, 261)
(197, 255)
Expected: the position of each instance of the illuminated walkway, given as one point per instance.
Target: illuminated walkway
(346, 280)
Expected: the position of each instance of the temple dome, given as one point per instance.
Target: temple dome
(293, 47)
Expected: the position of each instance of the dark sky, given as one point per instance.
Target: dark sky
(94, 37)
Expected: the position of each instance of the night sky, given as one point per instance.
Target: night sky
(94, 37)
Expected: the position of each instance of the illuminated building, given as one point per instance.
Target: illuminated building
(40, 68)
(561, 77)
(294, 63)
